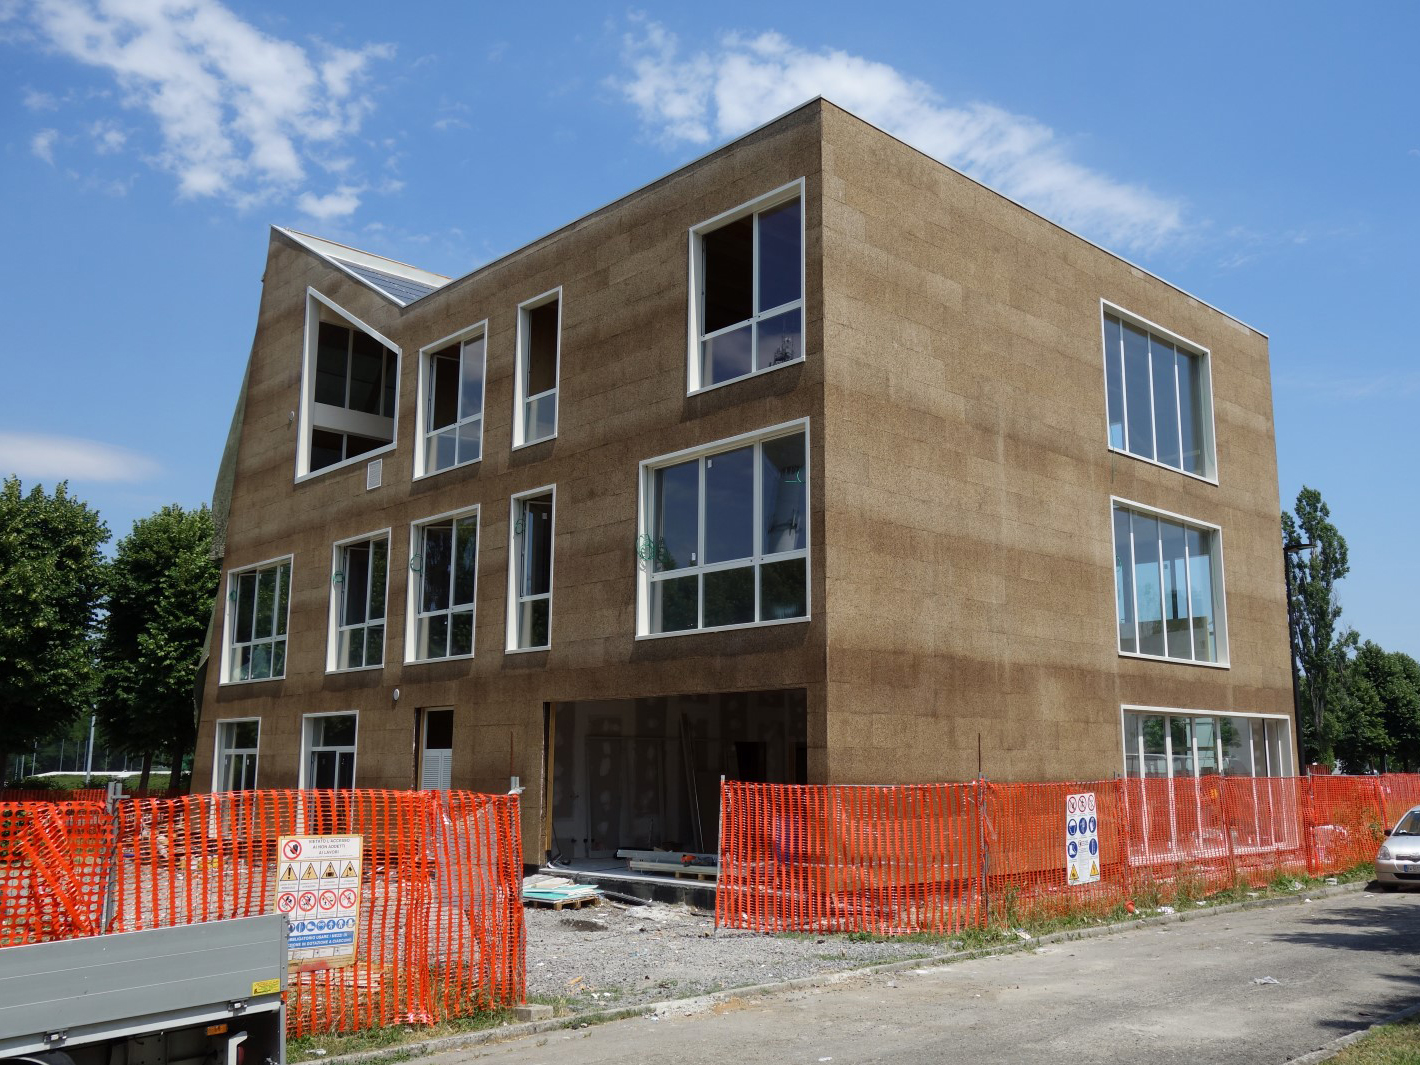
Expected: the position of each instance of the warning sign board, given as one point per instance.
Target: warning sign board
(325, 911)
(1082, 841)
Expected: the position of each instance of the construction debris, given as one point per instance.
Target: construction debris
(558, 893)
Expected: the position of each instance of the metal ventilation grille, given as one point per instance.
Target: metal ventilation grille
(374, 474)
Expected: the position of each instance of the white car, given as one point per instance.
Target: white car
(1398, 860)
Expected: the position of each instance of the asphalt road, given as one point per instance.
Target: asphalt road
(1183, 992)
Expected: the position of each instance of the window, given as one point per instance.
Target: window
(436, 748)
(350, 391)
(725, 535)
(358, 592)
(1183, 744)
(747, 290)
(258, 601)
(444, 564)
(530, 571)
(539, 346)
(329, 747)
(1159, 397)
(1168, 585)
(235, 766)
(452, 398)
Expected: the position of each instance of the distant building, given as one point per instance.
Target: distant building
(812, 461)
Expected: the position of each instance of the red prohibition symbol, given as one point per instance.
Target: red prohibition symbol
(292, 849)
(286, 903)
(327, 900)
(308, 900)
(347, 898)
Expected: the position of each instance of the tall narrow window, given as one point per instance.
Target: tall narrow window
(725, 536)
(748, 282)
(444, 577)
(436, 748)
(237, 743)
(1158, 399)
(358, 594)
(530, 572)
(539, 347)
(453, 403)
(329, 743)
(258, 602)
(351, 389)
(1168, 587)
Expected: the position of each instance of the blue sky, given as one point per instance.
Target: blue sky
(1268, 165)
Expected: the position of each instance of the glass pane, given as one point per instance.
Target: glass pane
(532, 623)
(1176, 624)
(727, 356)
(675, 516)
(435, 566)
(1139, 407)
(1205, 735)
(461, 632)
(1192, 425)
(332, 352)
(1237, 746)
(783, 484)
(367, 365)
(1148, 593)
(374, 645)
(338, 730)
(1133, 730)
(351, 653)
(537, 546)
(432, 637)
(1114, 380)
(1161, 357)
(729, 597)
(243, 735)
(1260, 764)
(1277, 754)
(471, 440)
(391, 390)
(358, 445)
(355, 584)
(729, 505)
(345, 768)
(540, 417)
(1181, 741)
(278, 658)
(441, 453)
(283, 595)
(675, 604)
(471, 392)
(443, 388)
(780, 339)
(1155, 753)
(241, 662)
(261, 661)
(322, 769)
(246, 607)
(265, 624)
(728, 261)
(379, 566)
(540, 353)
(1200, 576)
(465, 575)
(783, 590)
(779, 258)
(326, 449)
(1124, 582)
(438, 730)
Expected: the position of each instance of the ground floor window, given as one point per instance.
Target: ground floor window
(1182, 743)
(236, 755)
(329, 749)
(436, 748)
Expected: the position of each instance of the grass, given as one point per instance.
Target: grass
(1392, 1044)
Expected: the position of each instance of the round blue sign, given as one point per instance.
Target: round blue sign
(1094, 846)
(1072, 848)
(1070, 825)
(1092, 824)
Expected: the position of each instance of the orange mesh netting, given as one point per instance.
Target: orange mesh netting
(440, 929)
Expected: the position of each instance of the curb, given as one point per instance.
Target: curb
(699, 1003)
(1331, 1049)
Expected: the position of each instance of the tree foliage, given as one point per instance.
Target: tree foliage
(1378, 712)
(1321, 650)
(160, 587)
(50, 588)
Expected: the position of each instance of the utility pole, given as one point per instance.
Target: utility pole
(89, 761)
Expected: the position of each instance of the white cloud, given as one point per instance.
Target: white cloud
(338, 204)
(108, 138)
(240, 113)
(35, 100)
(42, 144)
(71, 458)
(745, 81)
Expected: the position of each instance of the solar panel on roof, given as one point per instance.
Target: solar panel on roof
(401, 288)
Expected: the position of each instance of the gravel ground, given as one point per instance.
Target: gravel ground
(613, 955)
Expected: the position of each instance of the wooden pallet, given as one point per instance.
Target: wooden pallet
(572, 902)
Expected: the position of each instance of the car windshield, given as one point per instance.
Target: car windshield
(1409, 824)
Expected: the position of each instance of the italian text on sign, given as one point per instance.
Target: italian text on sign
(1082, 840)
(318, 889)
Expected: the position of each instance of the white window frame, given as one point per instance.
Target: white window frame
(1220, 587)
(221, 753)
(308, 748)
(515, 556)
(520, 368)
(696, 308)
(416, 584)
(645, 577)
(335, 628)
(1210, 443)
(477, 331)
(314, 302)
(229, 621)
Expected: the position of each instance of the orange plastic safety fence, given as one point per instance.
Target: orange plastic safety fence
(52, 870)
(440, 929)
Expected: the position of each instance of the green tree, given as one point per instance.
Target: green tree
(1321, 651)
(1379, 715)
(50, 587)
(160, 586)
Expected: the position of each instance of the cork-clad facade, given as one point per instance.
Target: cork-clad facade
(812, 461)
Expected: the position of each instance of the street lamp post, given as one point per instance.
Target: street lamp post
(1292, 549)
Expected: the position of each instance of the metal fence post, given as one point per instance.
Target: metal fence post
(113, 795)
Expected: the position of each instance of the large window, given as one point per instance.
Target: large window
(329, 751)
(747, 290)
(535, 382)
(452, 401)
(725, 535)
(350, 392)
(530, 571)
(443, 579)
(1178, 743)
(1168, 586)
(1159, 397)
(258, 602)
(358, 595)
(235, 765)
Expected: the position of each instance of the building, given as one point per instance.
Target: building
(814, 460)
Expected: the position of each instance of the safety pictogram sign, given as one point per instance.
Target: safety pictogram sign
(325, 913)
(1082, 845)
